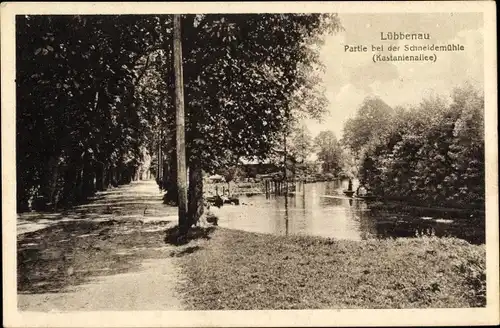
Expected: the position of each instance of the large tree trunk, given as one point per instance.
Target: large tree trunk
(195, 192)
(49, 187)
(109, 176)
(169, 182)
(69, 184)
(119, 175)
(100, 176)
(79, 184)
(22, 194)
(88, 186)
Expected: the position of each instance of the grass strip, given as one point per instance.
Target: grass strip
(249, 271)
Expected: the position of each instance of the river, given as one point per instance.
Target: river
(321, 209)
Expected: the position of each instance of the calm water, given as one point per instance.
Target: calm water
(320, 209)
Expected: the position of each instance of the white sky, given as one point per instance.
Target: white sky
(350, 77)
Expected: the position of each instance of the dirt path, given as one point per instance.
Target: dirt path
(109, 254)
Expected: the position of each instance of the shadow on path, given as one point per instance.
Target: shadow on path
(62, 258)
(172, 236)
(140, 200)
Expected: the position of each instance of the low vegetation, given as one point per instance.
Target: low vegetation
(248, 271)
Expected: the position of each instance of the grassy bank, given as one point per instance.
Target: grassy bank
(241, 270)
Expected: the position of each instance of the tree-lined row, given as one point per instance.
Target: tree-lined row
(80, 123)
(431, 154)
(95, 96)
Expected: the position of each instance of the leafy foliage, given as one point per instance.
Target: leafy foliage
(432, 153)
(300, 146)
(329, 152)
(79, 128)
(370, 126)
(248, 77)
(95, 94)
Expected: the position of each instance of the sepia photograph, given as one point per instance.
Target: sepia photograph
(208, 163)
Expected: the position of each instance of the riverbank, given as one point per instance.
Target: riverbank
(407, 208)
(248, 271)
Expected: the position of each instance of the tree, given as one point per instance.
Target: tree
(231, 174)
(433, 154)
(329, 152)
(466, 151)
(77, 115)
(371, 124)
(301, 144)
(95, 91)
(244, 78)
(349, 164)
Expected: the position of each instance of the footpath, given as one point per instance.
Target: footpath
(107, 255)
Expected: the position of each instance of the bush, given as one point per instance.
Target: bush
(473, 268)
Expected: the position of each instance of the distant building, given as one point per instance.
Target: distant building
(253, 170)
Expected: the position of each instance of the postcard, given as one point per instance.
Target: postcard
(249, 164)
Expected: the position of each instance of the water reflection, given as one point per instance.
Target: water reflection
(320, 209)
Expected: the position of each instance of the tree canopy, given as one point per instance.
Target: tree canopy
(95, 94)
(370, 125)
(432, 153)
(329, 152)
